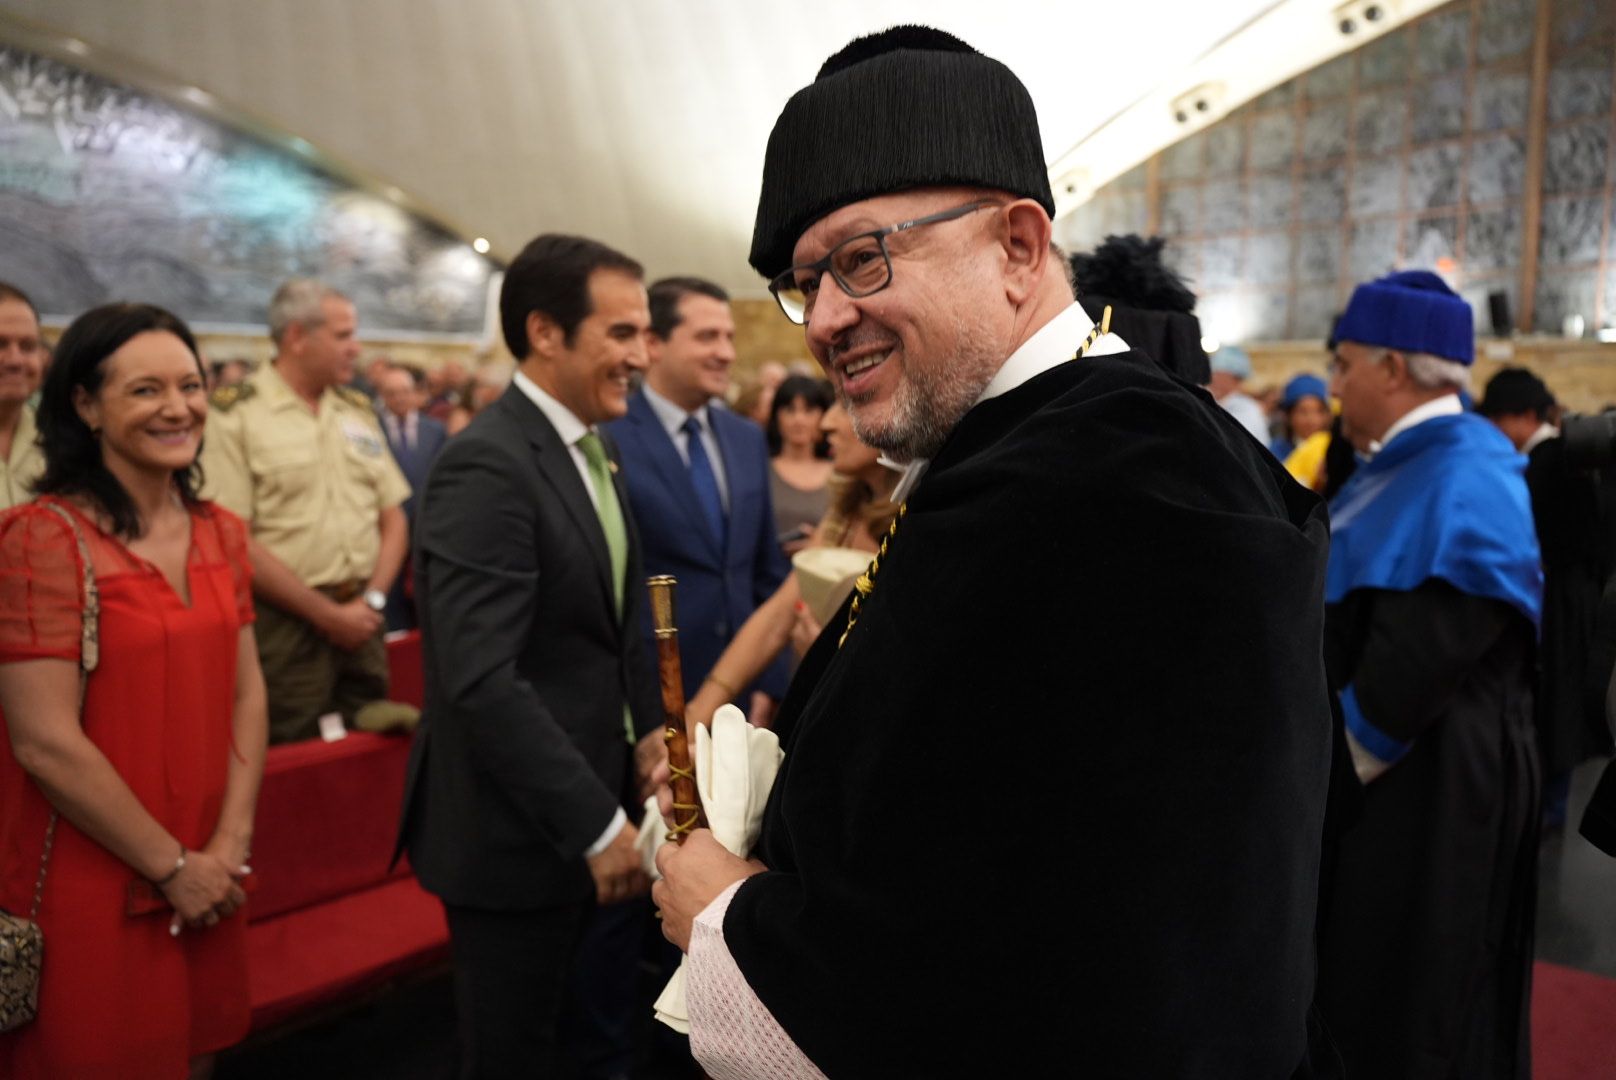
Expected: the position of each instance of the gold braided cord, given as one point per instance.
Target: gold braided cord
(680, 828)
(865, 585)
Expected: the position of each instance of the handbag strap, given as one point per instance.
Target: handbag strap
(89, 658)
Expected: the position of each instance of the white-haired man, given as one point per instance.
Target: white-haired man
(1433, 596)
(301, 458)
(1025, 824)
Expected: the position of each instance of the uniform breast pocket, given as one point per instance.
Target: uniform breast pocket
(286, 469)
(364, 456)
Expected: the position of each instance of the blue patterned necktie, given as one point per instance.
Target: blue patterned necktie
(705, 482)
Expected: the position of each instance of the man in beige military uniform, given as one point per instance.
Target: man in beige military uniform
(21, 356)
(302, 460)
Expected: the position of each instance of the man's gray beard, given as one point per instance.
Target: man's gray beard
(928, 404)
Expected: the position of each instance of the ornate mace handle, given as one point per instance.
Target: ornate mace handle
(687, 811)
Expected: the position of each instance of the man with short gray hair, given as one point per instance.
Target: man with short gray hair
(301, 459)
(1433, 596)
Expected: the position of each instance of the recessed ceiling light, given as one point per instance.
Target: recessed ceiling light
(75, 46)
(480, 245)
(1210, 345)
(196, 95)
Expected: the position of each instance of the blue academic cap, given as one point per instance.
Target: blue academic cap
(1413, 311)
(1233, 359)
(1304, 386)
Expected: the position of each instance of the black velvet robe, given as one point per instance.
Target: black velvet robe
(1055, 806)
(1573, 529)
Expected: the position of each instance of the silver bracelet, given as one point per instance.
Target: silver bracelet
(179, 864)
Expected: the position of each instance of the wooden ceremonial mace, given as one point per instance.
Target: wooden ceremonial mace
(686, 799)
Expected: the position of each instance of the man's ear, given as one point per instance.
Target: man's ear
(1396, 365)
(1025, 235)
(544, 336)
(292, 338)
(653, 347)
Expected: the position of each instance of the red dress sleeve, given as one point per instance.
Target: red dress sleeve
(233, 541)
(41, 586)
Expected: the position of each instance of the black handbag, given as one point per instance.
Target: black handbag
(22, 944)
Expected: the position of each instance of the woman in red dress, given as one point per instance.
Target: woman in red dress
(145, 958)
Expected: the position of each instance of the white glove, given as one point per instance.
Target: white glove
(735, 768)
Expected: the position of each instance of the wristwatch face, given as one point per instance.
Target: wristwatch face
(375, 599)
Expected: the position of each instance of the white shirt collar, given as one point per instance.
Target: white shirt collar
(566, 423)
(672, 416)
(1543, 434)
(1446, 405)
(1051, 345)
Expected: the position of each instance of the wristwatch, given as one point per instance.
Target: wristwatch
(375, 599)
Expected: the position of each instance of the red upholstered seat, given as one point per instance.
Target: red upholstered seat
(404, 667)
(327, 819)
(333, 950)
(329, 917)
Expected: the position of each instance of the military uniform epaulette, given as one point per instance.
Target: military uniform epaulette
(357, 398)
(226, 398)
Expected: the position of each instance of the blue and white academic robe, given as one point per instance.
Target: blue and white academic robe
(1433, 598)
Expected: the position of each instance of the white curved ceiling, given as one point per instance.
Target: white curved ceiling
(640, 122)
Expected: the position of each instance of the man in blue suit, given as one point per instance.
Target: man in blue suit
(698, 480)
(415, 439)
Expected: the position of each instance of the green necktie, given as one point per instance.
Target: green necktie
(610, 512)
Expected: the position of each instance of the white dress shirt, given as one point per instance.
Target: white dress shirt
(1543, 434)
(673, 418)
(406, 431)
(1446, 405)
(571, 429)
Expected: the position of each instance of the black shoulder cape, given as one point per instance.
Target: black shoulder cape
(1057, 802)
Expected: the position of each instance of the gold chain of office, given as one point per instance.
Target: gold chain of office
(865, 585)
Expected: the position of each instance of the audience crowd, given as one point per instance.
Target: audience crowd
(247, 577)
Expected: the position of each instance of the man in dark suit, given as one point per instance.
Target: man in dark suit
(698, 479)
(529, 588)
(415, 440)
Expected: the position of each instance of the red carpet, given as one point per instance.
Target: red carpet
(1573, 1025)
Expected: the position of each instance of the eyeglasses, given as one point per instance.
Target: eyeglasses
(1340, 365)
(860, 265)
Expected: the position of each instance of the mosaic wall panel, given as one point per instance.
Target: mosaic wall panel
(1577, 273)
(1409, 152)
(107, 194)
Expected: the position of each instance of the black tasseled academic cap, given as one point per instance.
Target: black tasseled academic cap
(905, 108)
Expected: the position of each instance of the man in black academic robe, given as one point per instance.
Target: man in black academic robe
(1054, 777)
(1573, 530)
(1433, 594)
